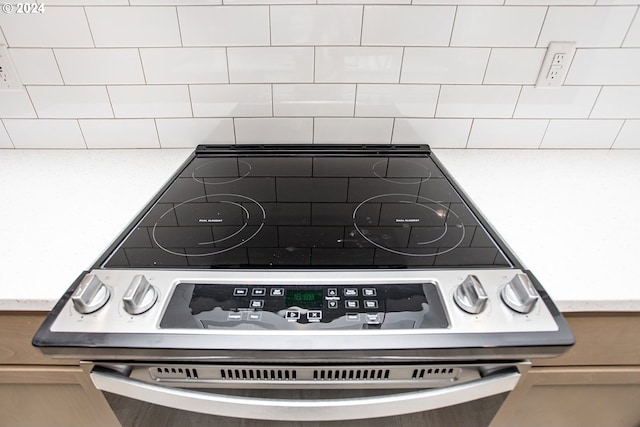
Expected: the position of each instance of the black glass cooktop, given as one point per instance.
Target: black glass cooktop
(308, 211)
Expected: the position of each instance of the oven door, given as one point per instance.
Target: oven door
(150, 403)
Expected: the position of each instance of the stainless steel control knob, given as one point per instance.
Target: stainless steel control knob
(471, 296)
(519, 294)
(90, 295)
(140, 296)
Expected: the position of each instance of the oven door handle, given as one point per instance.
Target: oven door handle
(305, 410)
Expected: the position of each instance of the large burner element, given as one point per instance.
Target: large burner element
(410, 225)
(237, 218)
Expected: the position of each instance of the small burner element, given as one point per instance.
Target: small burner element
(411, 225)
(237, 219)
(200, 175)
(401, 169)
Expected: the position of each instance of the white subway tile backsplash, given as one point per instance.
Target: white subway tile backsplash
(364, 1)
(438, 133)
(150, 101)
(224, 25)
(184, 65)
(174, 2)
(99, 66)
(396, 100)
(136, 26)
(45, 133)
(587, 26)
(514, 66)
(407, 25)
(86, 2)
(121, 133)
(444, 65)
(313, 100)
(514, 133)
(549, 2)
(270, 65)
(581, 133)
(316, 25)
(460, 2)
(36, 66)
(617, 102)
(497, 26)
(5, 141)
(616, 2)
(568, 102)
(273, 130)
(605, 66)
(269, 2)
(57, 27)
(629, 136)
(633, 36)
(477, 101)
(246, 100)
(16, 104)
(357, 64)
(352, 130)
(60, 102)
(188, 133)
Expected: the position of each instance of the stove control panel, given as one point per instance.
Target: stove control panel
(283, 307)
(194, 302)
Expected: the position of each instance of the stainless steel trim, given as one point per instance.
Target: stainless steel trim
(305, 410)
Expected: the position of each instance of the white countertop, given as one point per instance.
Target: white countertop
(571, 216)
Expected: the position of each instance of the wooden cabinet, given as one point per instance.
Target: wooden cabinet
(38, 391)
(595, 384)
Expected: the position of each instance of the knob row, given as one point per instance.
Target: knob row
(92, 294)
(518, 294)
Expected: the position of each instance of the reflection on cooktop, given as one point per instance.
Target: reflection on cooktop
(306, 211)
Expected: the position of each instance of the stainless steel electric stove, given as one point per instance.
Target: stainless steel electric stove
(298, 267)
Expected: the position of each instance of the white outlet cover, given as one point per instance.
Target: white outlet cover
(553, 74)
(8, 76)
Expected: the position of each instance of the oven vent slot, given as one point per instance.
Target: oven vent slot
(420, 374)
(176, 373)
(259, 374)
(350, 374)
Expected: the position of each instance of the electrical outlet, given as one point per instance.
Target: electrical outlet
(8, 76)
(556, 64)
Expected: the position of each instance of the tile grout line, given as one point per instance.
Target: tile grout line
(486, 67)
(26, 90)
(401, 64)
(515, 106)
(361, 24)
(544, 134)
(4, 126)
(624, 122)
(435, 110)
(113, 112)
(155, 124)
(453, 25)
(226, 55)
(355, 99)
(84, 139)
(144, 74)
(635, 16)
(595, 102)
(190, 103)
(86, 17)
(473, 122)
(179, 27)
(55, 58)
(233, 126)
(546, 12)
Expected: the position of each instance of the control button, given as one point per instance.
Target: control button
(140, 296)
(314, 315)
(351, 292)
(256, 316)
(519, 294)
(371, 304)
(292, 316)
(353, 317)
(234, 315)
(258, 292)
(351, 304)
(256, 303)
(90, 295)
(333, 304)
(369, 292)
(471, 296)
(240, 292)
(332, 292)
(374, 318)
(277, 292)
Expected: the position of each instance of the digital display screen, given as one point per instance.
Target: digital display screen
(304, 298)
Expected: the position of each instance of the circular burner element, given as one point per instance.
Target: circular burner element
(236, 218)
(223, 180)
(378, 170)
(411, 225)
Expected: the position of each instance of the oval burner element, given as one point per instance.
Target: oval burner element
(411, 225)
(380, 169)
(220, 180)
(215, 223)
